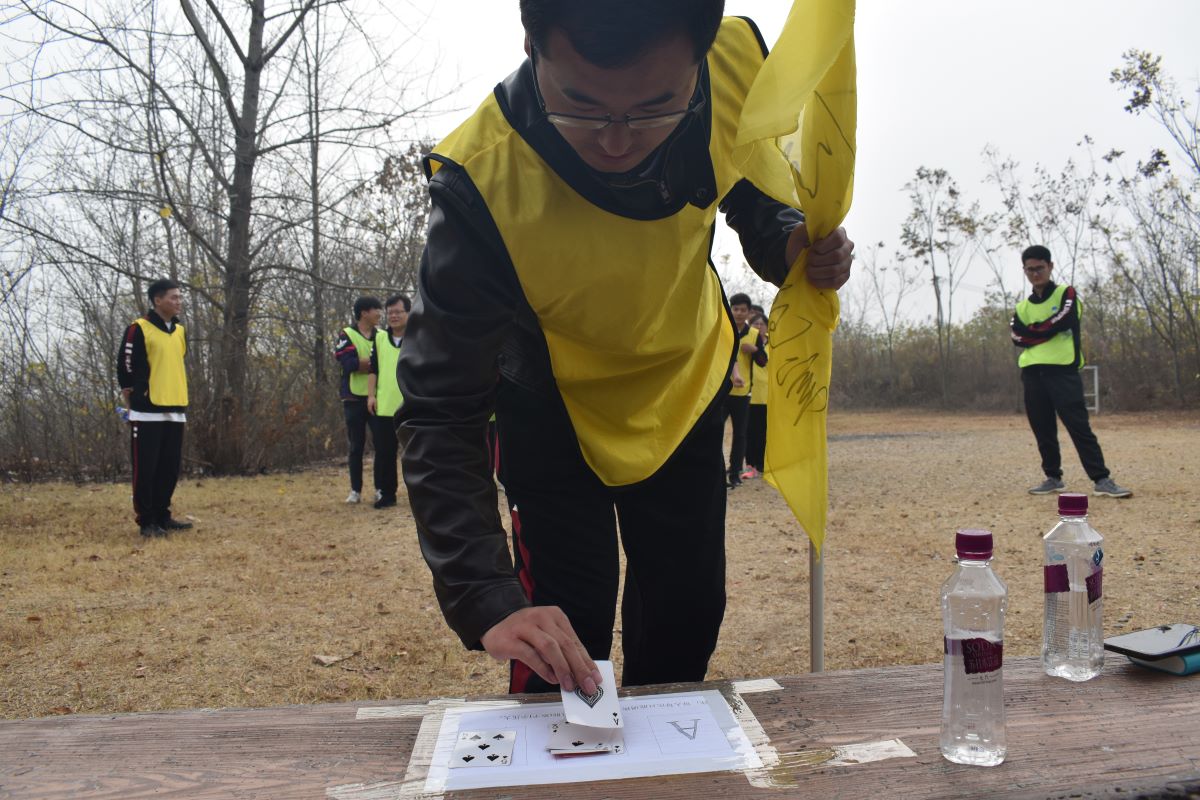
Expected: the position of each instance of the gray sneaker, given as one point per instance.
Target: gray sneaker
(1109, 488)
(1049, 486)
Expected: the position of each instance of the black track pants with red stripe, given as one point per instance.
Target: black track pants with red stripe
(565, 530)
(156, 449)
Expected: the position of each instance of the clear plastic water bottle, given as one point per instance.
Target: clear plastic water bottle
(974, 600)
(1073, 631)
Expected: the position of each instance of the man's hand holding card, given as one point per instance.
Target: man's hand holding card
(593, 721)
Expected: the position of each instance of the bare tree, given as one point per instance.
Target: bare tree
(940, 232)
(176, 131)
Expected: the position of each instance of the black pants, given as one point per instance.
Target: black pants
(565, 521)
(357, 418)
(383, 433)
(1051, 389)
(756, 436)
(737, 408)
(157, 451)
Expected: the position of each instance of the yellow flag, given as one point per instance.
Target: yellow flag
(803, 107)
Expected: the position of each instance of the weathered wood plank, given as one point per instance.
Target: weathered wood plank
(1130, 733)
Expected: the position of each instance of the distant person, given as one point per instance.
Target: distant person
(737, 402)
(153, 381)
(384, 398)
(1046, 327)
(353, 353)
(756, 419)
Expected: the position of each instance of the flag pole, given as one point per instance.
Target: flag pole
(816, 608)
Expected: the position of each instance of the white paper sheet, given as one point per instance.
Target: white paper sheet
(665, 734)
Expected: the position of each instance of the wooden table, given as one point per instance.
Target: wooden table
(1129, 733)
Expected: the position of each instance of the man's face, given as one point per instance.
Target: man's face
(740, 312)
(1038, 273)
(397, 318)
(371, 316)
(659, 82)
(169, 304)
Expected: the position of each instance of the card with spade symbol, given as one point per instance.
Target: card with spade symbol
(483, 749)
(568, 740)
(600, 710)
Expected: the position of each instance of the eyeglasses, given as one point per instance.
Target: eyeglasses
(582, 122)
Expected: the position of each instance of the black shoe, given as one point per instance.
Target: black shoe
(153, 531)
(387, 501)
(172, 524)
(734, 483)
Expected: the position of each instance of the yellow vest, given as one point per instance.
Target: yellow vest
(165, 352)
(1061, 347)
(388, 398)
(358, 380)
(758, 386)
(745, 363)
(632, 310)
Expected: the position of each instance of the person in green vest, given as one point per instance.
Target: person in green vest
(737, 403)
(353, 353)
(1046, 328)
(567, 285)
(384, 398)
(153, 381)
(756, 419)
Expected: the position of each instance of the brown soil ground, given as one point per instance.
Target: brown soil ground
(278, 570)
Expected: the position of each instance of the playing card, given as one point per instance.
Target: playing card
(483, 748)
(567, 739)
(600, 710)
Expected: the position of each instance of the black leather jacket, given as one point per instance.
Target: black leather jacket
(471, 327)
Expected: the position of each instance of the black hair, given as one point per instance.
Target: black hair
(740, 299)
(365, 304)
(1037, 252)
(614, 33)
(757, 309)
(398, 298)
(159, 288)
(756, 316)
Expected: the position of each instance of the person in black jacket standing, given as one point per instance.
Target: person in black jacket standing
(153, 380)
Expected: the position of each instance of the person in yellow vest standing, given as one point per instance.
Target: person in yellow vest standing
(1046, 328)
(737, 405)
(353, 353)
(756, 420)
(153, 381)
(567, 285)
(384, 398)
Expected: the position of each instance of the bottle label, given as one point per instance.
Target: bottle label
(1095, 585)
(1056, 580)
(978, 654)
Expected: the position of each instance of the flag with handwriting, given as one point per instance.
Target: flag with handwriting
(802, 110)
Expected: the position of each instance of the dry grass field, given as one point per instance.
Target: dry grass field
(278, 571)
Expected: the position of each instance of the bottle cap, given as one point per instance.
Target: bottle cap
(975, 545)
(1072, 505)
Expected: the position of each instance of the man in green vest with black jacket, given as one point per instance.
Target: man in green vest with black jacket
(567, 285)
(384, 398)
(353, 353)
(1046, 327)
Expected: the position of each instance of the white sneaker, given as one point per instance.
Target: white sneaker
(378, 495)
(353, 497)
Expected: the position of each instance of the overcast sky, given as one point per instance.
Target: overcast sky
(938, 80)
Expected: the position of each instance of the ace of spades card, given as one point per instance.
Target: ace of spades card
(600, 710)
(483, 749)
